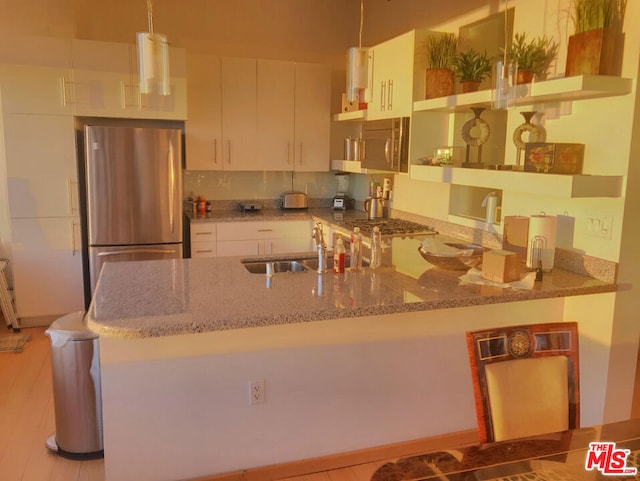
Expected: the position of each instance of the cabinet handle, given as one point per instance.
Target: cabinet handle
(63, 85)
(383, 91)
(390, 95)
(300, 158)
(203, 233)
(271, 247)
(206, 251)
(288, 152)
(371, 82)
(128, 91)
(265, 230)
(73, 207)
(215, 151)
(258, 245)
(74, 249)
(229, 151)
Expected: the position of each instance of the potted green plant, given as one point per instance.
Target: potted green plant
(471, 67)
(439, 50)
(596, 46)
(532, 56)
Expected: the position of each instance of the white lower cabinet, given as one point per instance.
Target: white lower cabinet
(47, 266)
(203, 240)
(250, 238)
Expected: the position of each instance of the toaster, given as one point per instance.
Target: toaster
(293, 200)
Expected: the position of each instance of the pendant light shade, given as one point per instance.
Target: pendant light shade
(357, 69)
(153, 59)
(357, 65)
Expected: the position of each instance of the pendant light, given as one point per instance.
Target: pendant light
(153, 59)
(504, 74)
(357, 65)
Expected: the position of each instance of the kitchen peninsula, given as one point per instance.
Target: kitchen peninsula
(346, 361)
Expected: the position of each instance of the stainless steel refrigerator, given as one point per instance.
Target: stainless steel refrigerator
(133, 195)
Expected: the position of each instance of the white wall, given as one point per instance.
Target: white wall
(178, 407)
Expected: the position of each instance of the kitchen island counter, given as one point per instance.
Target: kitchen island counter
(160, 298)
(346, 362)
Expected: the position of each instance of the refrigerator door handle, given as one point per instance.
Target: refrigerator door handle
(137, 251)
(172, 175)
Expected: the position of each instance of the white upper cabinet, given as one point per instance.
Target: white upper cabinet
(239, 111)
(276, 115)
(247, 114)
(28, 89)
(105, 83)
(312, 117)
(390, 91)
(204, 124)
(35, 76)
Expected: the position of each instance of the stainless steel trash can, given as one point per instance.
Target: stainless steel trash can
(75, 365)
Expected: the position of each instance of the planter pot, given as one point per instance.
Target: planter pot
(596, 52)
(524, 77)
(470, 86)
(440, 82)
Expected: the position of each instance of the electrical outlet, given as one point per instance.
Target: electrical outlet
(256, 391)
(600, 226)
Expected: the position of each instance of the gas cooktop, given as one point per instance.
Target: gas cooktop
(390, 226)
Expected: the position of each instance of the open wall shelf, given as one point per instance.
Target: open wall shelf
(564, 89)
(554, 185)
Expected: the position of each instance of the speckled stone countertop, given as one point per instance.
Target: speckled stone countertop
(163, 298)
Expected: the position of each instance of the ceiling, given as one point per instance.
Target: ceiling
(293, 29)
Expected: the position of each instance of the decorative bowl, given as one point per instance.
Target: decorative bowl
(463, 260)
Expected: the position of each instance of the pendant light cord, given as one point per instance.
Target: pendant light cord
(506, 30)
(150, 16)
(361, 23)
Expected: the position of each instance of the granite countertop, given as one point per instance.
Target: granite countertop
(169, 297)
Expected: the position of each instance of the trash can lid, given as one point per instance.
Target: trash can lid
(70, 327)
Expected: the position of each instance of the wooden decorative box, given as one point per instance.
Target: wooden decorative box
(553, 158)
(501, 266)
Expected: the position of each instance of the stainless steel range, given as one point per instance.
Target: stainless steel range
(390, 226)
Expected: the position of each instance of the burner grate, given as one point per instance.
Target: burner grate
(390, 226)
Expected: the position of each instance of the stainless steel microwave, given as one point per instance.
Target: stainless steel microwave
(386, 144)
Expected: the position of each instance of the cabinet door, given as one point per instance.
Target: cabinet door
(165, 107)
(203, 249)
(240, 248)
(36, 90)
(290, 244)
(203, 129)
(238, 113)
(47, 266)
(312, 117)
(275, 115)
(102, 73)
(391, 84)
(41, 175)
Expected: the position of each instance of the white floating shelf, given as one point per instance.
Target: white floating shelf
(355, 115)
(352, 166)
(556, 185)
(355, 167)
(580, 87)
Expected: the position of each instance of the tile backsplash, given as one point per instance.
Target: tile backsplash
(257, 185)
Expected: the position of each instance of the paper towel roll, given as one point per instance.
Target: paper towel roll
(542, 241)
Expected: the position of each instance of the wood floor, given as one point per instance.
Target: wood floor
(27, 419)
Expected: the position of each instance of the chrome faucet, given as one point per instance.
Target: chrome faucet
(318, 237)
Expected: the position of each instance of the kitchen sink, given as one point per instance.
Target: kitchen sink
(295, 265)
(261, 267)
(312, 263)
